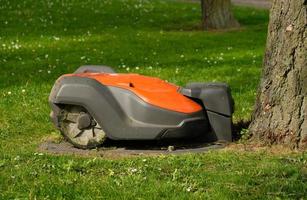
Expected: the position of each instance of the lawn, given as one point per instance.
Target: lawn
(40, 40)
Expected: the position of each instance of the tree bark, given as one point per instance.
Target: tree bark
(216, 14)
(280, 115)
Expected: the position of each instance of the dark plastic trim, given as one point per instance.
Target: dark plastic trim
(219, 106)
(95, 69)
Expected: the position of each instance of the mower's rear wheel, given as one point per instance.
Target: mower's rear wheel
(80, 128)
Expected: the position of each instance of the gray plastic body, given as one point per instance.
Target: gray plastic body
(122, 114)
(125, 116)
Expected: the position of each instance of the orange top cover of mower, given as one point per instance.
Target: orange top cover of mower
(152, 90)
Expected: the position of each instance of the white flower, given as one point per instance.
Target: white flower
(23, 90)
(16, 46)
(181, 56)
(137, 68)
(9, 93)
(17, 158)
(133, 170)
(48, 71)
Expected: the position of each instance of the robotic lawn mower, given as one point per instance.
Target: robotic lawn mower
(95, 103)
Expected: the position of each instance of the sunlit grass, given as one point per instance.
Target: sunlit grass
(40, 40)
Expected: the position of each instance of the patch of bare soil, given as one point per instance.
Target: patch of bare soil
(258, 147)
(121, 149)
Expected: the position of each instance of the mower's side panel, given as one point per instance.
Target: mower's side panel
(146, 115)
(122, 114)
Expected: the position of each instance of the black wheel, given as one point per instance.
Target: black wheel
(80, 128)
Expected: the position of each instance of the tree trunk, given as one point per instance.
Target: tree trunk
(216, 14)
(280, 115)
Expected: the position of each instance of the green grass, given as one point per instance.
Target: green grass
(40, 40)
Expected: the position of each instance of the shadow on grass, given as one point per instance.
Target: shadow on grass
(240, 129)
(165, 144)
(112, 148)
(117, 149)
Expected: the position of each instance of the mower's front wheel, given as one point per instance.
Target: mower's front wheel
(80, 128)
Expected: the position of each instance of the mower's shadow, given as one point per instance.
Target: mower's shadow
(160, 145)
(114, 149)
(174, 144)
(118, 149)
(239, 129)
